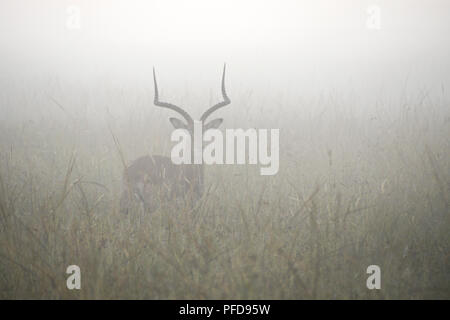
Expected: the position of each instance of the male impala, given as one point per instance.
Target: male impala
(153, 179)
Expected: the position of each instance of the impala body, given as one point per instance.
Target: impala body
(153, 179)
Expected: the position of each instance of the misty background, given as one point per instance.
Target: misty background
(300, 48)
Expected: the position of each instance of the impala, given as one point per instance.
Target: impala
(153, 179)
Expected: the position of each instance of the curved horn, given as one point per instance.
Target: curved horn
(225, 101)
(169, 105)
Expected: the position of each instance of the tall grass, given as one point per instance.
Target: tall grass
(357, 186)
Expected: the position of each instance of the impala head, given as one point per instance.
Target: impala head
(188, 122)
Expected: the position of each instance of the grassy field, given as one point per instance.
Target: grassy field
(359, 184)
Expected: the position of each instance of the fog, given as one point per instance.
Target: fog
(357, 90)
(299, 47)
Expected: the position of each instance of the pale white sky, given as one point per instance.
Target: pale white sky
(281, 44)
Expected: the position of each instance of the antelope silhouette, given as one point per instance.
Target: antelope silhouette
(153, 179)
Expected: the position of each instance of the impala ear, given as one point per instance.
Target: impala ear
(178, 124)
(213, 124)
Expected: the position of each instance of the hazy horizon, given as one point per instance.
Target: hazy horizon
(292, 47)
